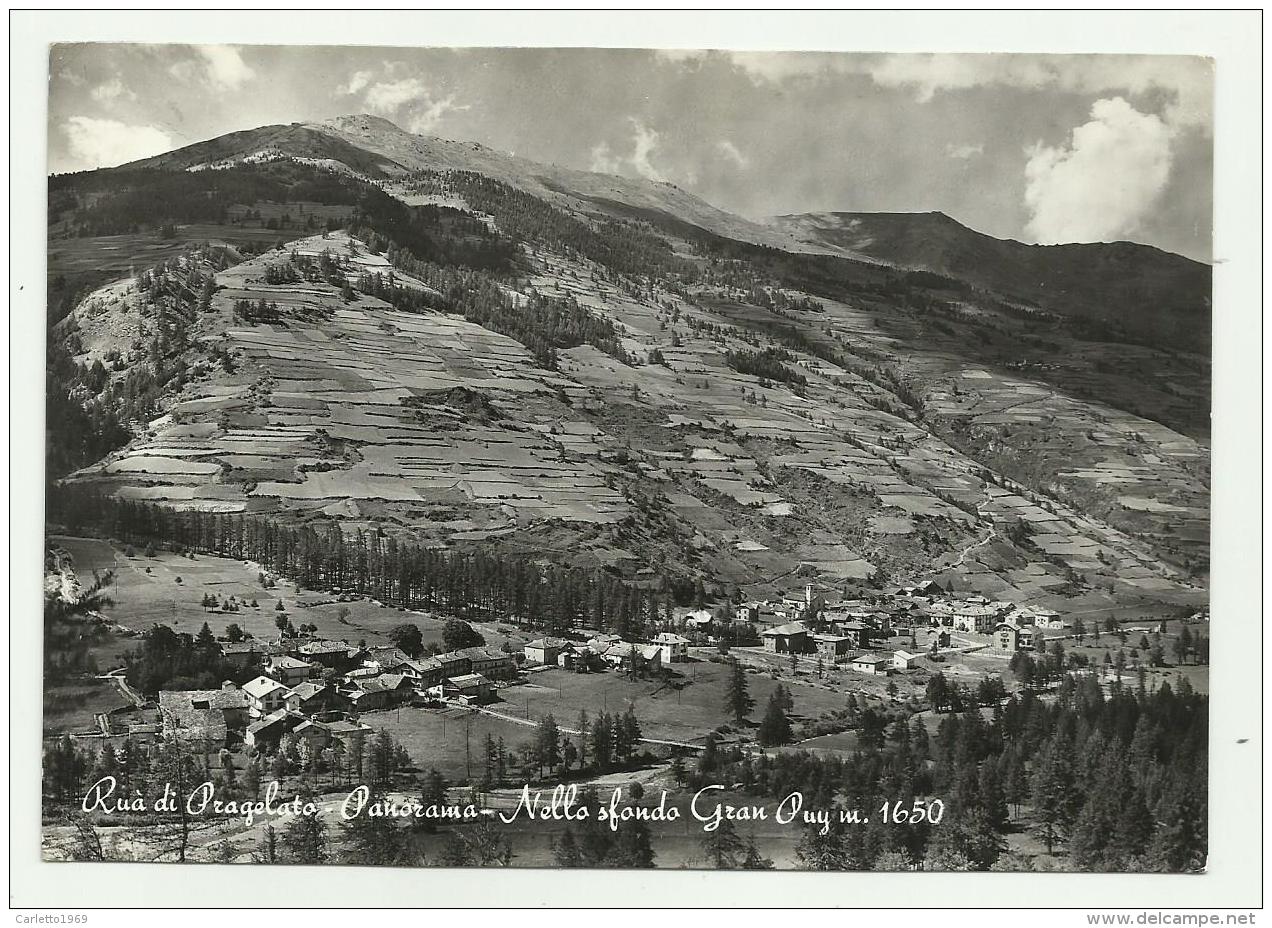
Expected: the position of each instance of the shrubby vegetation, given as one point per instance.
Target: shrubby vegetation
(630, 248)
(768, 364)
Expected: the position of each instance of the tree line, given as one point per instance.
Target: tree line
(478, 584)
(1108, 782)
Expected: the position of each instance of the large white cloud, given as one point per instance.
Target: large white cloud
(1101, 183)
(357, 81)
(409, 99)
(220, 66)
(102, 143)
(390, 96)
(225, 66)
(640, 161)
(644, 141)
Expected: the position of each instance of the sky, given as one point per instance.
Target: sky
(1039, 148)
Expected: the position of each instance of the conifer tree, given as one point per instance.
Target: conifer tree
(775, 728)
(306, 838)
(737, 700)
(722, 847)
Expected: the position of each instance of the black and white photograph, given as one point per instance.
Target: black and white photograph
(628, 459)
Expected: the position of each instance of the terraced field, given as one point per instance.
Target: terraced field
(442, 430)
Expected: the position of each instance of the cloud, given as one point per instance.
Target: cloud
(645, 140)
(409, 99)
(1186, 82)
(357, 81)
(640, 161)
(964, 152)
(730, 151)
(773, 67)
(110, 91)
(1099, 186)
(221, 66)
(925, 75)
(429, 113)
(390, 96)
(98, 143)
(225, 66)
(604, 161)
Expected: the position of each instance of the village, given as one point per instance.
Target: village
(319, 690)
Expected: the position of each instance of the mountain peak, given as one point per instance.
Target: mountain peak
(362, 122)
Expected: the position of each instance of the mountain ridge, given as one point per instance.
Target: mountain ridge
(385, 153)
(477, 351)
(1148, 292)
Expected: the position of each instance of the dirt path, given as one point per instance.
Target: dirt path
(121, 684)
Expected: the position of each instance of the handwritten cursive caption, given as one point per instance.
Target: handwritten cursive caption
(561, 804)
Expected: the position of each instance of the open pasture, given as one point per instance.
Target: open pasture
(686, 709)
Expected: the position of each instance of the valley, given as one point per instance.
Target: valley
(341, 408)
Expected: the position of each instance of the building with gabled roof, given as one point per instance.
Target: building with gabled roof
(675, 648)
(545, 650)
(244, 654)
(310, 697)
(202, 719)
(265, 733)
(904, 660)
(1008, 636)
(833, 648)
(791, 638)
(468, 687)
(264, 695)
(628, 655)
(492, 662)
(336, 655)
(381, 692)
(288, 670)
(870, 663)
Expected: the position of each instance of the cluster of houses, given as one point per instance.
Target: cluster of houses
(315, 689)
(844, 631)
(601, 652)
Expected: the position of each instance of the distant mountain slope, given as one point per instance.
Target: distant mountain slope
(294, 140)
(1153, 295)
(1118, 291)
(379, 149)
(563, 382)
